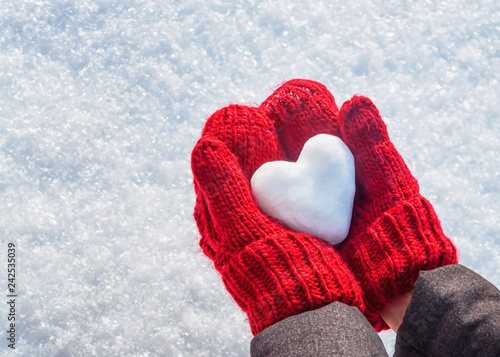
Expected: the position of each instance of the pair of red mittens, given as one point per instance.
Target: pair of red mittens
(273, 272)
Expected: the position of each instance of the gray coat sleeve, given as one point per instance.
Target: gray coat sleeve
(333, 330)
(453, 312)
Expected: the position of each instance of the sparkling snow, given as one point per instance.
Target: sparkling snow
(101, 103)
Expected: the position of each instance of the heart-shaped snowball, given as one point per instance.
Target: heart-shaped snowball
(314, 195)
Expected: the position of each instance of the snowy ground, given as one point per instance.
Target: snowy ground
(101, 103)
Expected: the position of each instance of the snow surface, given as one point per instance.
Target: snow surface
(313, 195)
(101, 103)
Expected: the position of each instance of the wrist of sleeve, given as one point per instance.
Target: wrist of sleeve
(453, 312)
(333, 330)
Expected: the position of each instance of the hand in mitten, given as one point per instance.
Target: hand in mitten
(250, 136)
(270, 271)
(395, 232)
(301, 109)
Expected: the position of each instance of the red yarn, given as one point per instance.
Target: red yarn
(270, 271)
(395, 232)
(301, 109)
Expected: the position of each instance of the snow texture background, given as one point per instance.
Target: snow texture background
(101, 103)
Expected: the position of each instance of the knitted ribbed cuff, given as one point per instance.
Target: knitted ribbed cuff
(286, 274)
(388, 256)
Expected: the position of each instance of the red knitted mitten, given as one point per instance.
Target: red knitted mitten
(271, 272)
(395, 232)
(301, 109)
(231, 125)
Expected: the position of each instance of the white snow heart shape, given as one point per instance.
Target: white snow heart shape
(314, 195)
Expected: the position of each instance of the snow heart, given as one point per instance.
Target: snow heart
(314, 195)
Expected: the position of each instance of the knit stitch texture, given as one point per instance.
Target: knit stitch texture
(271, 272)
(395, 232)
